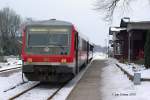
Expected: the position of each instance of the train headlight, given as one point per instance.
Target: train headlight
(29, 60)
(63, 60)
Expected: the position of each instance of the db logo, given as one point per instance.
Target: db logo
(46, 49)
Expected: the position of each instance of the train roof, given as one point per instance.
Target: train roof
(51, 22)
(54, 22)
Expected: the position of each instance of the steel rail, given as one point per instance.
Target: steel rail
(9, 69)
(50, 97)
(23, 92)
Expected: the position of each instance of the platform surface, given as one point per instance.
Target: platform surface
(88, 88)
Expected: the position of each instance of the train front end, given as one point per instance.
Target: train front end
(48, 51)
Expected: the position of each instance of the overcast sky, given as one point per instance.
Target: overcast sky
(79, 12)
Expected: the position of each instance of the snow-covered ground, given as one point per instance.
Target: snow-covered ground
(11, 63)
(99, 55)
(116, 85)
(8, 82)
(132, 68)
(14, 79)
(14, 61)
(41, 92)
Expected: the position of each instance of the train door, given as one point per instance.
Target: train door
(88, 52)
(76, 53)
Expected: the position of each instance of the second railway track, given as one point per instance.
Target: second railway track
(21, 93)
(36, 91)
(9, 69)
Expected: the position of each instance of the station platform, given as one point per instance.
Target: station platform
(88, 88)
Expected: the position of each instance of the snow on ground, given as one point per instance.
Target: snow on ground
(116, 86)
(11, 63)
(14, 79)
(42, 92)
(9, 82)
(14, 61)
(145, 73)
(99, 55)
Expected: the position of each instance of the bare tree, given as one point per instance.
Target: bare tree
(107, 7)
(9, 25)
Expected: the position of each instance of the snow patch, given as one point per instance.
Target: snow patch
(116, 86)
(132, 68)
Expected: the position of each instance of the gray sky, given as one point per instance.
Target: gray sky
(79, 12)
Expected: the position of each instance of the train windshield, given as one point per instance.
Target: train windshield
(48, 38)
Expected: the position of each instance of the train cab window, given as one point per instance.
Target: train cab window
(48, 39)
(38, 39)
(59, 39)
(56, 40)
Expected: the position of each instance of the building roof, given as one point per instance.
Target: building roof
(134, 25)
(141, 25)
(116, 30)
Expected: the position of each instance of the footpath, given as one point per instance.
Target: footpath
(89, 86)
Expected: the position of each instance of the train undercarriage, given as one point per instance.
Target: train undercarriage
(48, 73)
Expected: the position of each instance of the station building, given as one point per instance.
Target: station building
(129, 39)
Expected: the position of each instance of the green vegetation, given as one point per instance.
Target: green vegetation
(147, 50)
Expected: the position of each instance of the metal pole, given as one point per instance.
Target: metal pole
(129, 47)
(108, 44)
(106, 47)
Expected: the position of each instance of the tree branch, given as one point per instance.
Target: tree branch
(108, 7)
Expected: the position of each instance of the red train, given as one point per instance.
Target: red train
(53, 51)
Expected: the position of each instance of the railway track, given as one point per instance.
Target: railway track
(23, 92)
(9, 69)
(49, 97)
